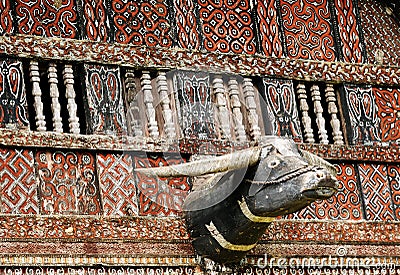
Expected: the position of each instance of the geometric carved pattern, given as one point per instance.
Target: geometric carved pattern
(187, 27)
(68, 183)
(349, 31)
(18, 183)
(344, 205)
(283, 117)
(388, 112)
(394, 185)
(227, 26)
(95, 21)
(6, 22)
(143, 22)
(376, 192)
(381, 33)
(194, 106)
(13, 104)
(363, 125)
(160, 196)
(105, 112)
(307, 29)
(117, 184)
(268, 25)
(56, 18)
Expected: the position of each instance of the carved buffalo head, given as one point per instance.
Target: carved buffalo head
(230, 211)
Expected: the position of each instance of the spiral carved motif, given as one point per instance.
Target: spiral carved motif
(45, 18)
(307, 29)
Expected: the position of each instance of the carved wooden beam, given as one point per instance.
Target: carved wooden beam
(15, 138)
(175, 58)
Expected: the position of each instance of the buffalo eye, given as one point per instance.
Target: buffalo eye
(273, 163)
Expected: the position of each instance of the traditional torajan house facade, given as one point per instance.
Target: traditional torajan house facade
(91, 89)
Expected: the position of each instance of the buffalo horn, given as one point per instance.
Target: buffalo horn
(228, 162)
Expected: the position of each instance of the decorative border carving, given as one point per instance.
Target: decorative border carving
(371, 153)
(161, 58)
(130, 230)
(334, 232)
(76, 228)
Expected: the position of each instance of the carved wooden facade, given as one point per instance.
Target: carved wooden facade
(90, 90)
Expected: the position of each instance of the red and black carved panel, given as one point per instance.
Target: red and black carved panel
(143, 22)
(194, 105)
(13, 104)
(388, 112)
(344, 205)
(282, 118)
(376, 192)
(349, 31)
(105, 112)
(49, 18)
(380, 31)
(160, 196)
(68, 183)
(307, 28)
(361, 114)
(117, 184)
(96, 25)
(187, 27)
(227, 26)
(394, 184)
(18, 182)
(269, 30)
(6, 17)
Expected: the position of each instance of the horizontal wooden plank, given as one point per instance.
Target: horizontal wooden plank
(176, 58)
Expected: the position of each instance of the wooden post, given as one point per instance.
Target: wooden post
(37, 96)
(70, 94)
(54, 94)
(233, 87)
(251, 106)
(152, 126)
(316, 98)
(162, 88)
(332, 109)
(220, 101)
(306, 120)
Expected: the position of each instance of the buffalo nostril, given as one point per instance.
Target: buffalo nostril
(320, 175)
